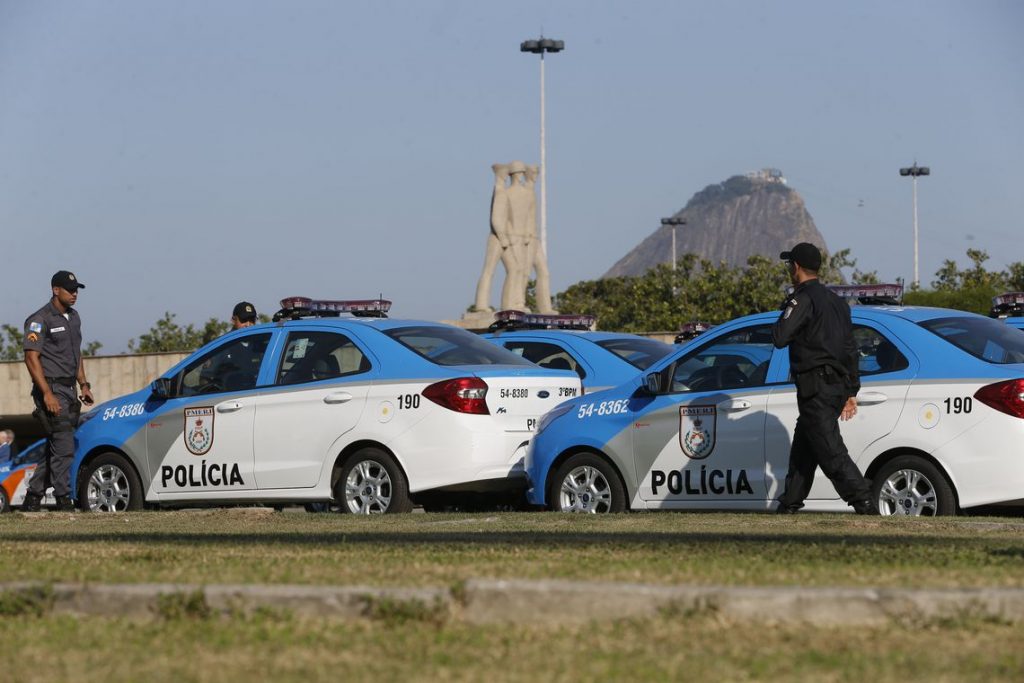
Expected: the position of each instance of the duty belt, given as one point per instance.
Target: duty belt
(65, 381)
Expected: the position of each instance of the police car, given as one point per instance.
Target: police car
(365, 410)
(939, 425)
(1009, 307)
(601, 359)
(16, 473)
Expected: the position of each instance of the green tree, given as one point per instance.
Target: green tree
(168, 335)
(10, 342)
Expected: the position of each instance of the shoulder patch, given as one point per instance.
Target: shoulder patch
(32, 337)
(35, 327)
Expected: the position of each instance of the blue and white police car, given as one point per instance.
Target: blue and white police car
(366, 411)
(939, 425)
(1009, 307)
(15, 474)
(601, 359)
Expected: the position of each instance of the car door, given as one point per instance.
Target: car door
(319, 392)
(200, 439)
(700, 444)
(887, 367)
(547, 354)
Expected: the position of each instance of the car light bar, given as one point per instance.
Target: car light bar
(299, 306)
(512, 319)
(688, 331)
(1006, 304)
(879, 295)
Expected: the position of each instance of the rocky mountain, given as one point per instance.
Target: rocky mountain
(757, 213)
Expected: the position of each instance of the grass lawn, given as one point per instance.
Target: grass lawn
(248, 546)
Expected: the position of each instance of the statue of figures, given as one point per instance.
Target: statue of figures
(537, 259)
(498, 241)
(513, 239)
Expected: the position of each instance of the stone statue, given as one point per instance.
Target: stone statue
(513, 240)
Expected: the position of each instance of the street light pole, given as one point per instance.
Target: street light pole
(674, 222)
(915, 171)
(540, 47)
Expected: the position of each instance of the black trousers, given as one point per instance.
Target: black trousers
(55, 468)
(817, 442)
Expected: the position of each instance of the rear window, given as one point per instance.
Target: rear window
(640, 353)
(984, 338)
(452, 346)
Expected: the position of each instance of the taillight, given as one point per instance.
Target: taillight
(463, 395)
(1006, 397)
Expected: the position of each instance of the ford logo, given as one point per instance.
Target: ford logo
(543, 394)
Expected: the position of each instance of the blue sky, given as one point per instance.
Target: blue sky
(181, 156)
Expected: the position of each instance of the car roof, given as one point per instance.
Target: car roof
(576, 334)
(913, 314)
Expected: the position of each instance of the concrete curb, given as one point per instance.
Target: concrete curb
(497, 601)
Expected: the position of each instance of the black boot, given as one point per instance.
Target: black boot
(866, 507)
(64, 504)
(32, 503)
(787, 509)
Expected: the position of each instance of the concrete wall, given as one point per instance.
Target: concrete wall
(110, 376)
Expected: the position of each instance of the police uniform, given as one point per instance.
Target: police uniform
(823, 359)
(58, 339)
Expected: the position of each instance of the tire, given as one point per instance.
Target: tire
(586, 483)
(372, 483)
(109, 483)
(912, 486)
(5, 502)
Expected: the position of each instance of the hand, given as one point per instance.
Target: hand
(849, 410)
(51, 403)
(86, 396)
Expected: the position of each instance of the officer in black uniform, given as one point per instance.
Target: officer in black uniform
(823, 359)
(53, 354)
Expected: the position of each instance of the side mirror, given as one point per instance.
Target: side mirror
(652, 383)
(161, 388)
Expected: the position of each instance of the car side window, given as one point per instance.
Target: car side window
(736, 360)
(875, 353)
(315, 356)
(234, 366)
(546, 355)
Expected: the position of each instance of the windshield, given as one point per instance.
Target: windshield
(984, 338)
(452, 346)
(640, 353)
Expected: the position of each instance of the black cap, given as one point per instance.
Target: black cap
(67, 280)
(244, 311)
(805, 255)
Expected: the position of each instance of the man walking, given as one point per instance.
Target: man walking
(53, 354)
(815, 324)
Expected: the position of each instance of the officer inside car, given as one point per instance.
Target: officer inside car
(53, 354)
(815, 324)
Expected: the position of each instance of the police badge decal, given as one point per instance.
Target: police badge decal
(199, 430)
(697, 430)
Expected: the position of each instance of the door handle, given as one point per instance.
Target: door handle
(338, 397)
(734, 406)
(229, 407)
(870, 398)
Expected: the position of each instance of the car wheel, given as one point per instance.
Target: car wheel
(910, 485)
(371, 483)
(109, 484)
(587, 483)
(5, 502)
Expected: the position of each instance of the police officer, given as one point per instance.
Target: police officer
(243, 315)
(53, 354)
(823, 359)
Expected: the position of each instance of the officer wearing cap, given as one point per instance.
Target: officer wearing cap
(53, 354)
(815, 325)
(243, 315)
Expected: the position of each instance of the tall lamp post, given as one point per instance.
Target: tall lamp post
(915, 171)
(673, 222)
(539, 47)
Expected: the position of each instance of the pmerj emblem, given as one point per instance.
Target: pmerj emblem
(199, 430)
(697, 430)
